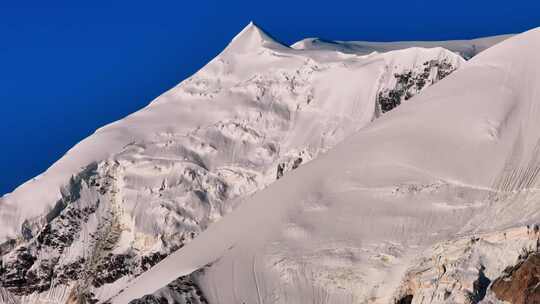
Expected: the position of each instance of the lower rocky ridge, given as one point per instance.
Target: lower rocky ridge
(481, 269)
(520, 284)
(478, 269)
(76, 252)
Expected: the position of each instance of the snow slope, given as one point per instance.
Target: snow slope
(457, 167)
(143, 187)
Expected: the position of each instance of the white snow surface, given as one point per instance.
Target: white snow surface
(460, 159)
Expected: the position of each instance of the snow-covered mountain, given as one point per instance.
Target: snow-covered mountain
(142, 188)
(428, 204)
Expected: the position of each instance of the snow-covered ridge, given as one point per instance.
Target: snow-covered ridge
(143, 187)
(451, 177)
(466, 48)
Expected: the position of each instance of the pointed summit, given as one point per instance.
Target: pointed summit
(251, 38)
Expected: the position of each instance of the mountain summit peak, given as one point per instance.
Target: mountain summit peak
(253, 37)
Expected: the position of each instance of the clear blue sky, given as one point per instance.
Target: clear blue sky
(66, 70)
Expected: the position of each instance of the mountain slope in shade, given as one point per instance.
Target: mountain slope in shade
(143, 187)
(427, 203)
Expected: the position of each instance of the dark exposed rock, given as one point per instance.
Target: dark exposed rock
(480, 286)
(410, 83)
(183, 288)
(407, 299)
(114, 266)
(520, 284)
(14, 274)
(288, 166)
(149, 261)
(39, 278)
(149, 299)
(24, 270)
(69, 272)
(111, 268)
(62, 231)
(296, 163)
(280, 169)
(21, 276)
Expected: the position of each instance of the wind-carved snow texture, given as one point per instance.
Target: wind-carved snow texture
(256, 112)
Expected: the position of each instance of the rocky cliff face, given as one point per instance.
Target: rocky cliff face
(520, 284)
(481, 269)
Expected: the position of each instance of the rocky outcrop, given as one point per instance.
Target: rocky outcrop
(520, 284)
(468, 270)
(291, 161)
(78, 245)
(407, 299)
(180, 291)
(410, 82)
